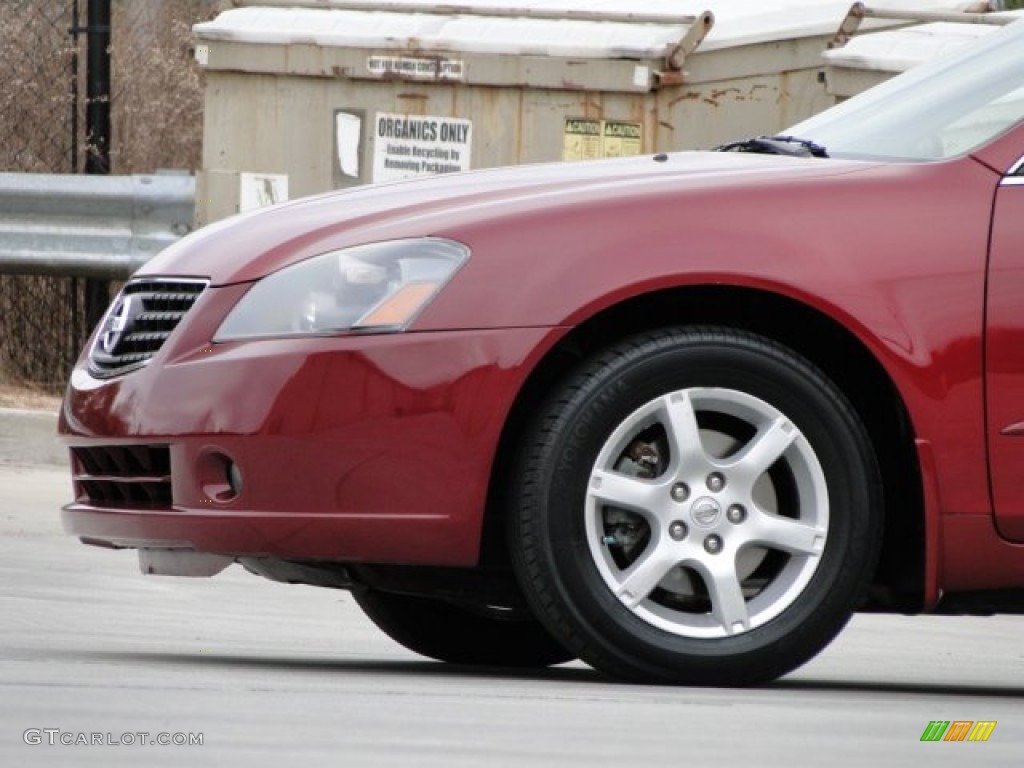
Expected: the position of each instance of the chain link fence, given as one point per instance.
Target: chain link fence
(40, 132)
(157, 115)
(156, 122)
(38, 53)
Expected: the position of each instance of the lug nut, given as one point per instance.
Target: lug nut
(716, 482)
(736, 514)
(713, 544)
(677, 530)
(680, 492)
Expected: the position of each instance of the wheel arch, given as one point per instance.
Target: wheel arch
(899, 581)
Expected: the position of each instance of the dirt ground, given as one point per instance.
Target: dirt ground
(15, 396)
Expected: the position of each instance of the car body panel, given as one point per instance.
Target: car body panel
(1004, 152)
(264, 241)
(911, 288)
(351, 448)
(1005, 359)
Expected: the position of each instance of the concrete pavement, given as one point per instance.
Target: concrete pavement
(29, 437)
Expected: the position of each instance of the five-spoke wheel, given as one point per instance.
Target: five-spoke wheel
(698, 506)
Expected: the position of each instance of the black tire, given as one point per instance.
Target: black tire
(448, 632)
(650, 569)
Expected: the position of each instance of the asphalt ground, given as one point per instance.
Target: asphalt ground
(98, 655)
(29, 437)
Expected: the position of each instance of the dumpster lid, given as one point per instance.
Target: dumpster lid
(562, 28)
(898, 50)
(390, 28)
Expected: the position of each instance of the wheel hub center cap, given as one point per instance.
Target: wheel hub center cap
(706, 512)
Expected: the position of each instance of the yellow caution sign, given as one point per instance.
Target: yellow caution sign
(589, 139)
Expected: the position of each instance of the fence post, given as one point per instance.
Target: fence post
(97, 126)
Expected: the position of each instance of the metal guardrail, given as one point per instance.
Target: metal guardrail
(90, 226)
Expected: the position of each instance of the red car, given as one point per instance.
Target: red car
(676, 416)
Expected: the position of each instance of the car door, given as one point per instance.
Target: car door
(1004, 353)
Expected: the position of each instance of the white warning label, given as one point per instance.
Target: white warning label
(416, 68)
(407, 146)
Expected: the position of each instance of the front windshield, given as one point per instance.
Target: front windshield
(937, 110)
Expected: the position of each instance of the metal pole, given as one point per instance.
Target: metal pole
(97, 109)
(76, 331)
(74, 31)
(97, 126)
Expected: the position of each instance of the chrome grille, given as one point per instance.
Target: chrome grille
(131, 476)
(138, 323)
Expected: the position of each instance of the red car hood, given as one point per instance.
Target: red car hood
(251, 245)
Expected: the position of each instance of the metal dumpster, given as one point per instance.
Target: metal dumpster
(324, 94)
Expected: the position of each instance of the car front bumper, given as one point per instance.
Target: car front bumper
(344, 448)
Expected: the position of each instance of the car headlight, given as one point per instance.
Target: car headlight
(378, 287)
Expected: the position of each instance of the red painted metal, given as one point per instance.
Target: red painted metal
(1005, 360)
(380, 448)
